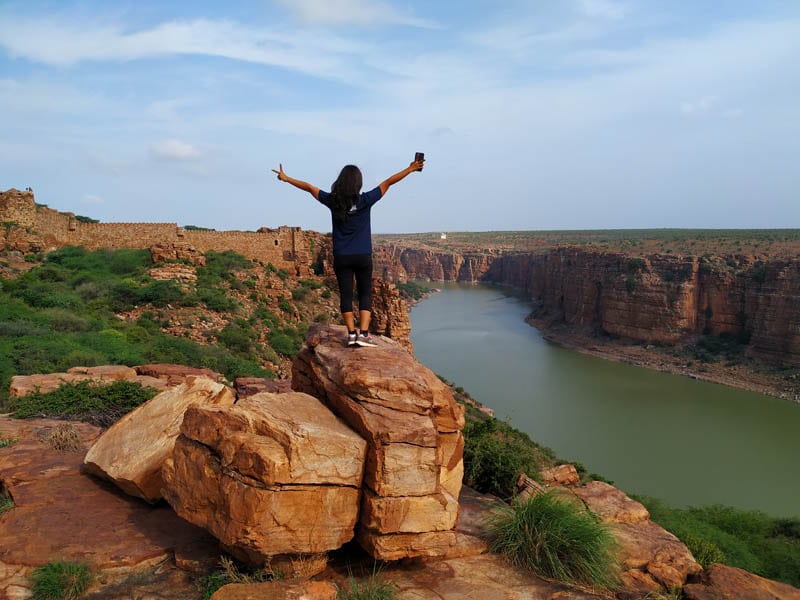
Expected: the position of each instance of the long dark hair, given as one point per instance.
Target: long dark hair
(344, 191)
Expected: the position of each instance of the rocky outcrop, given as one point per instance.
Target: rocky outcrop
(250, 386)
(720, 582)
(176, 374)
(278, 590)
(390, 314)
(22, 385)
(653, 560)
(412, 427)
(61, 514)
(131, 453)
(255, 473)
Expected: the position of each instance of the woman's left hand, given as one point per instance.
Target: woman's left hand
(281, 174)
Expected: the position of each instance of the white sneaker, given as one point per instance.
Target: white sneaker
(364, 339)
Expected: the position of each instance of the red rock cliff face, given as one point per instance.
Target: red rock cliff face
(395, 263)
(658, 298)
(664, 298)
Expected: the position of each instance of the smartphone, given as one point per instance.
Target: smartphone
(419, 156)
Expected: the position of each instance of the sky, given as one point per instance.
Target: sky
(547, 114)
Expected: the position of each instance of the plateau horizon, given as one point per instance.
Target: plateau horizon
(552, 115)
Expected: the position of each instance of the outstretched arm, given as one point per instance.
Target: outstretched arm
(299, 184)
(414, 166)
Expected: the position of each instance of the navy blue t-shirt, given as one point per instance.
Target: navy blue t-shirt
(353, 236)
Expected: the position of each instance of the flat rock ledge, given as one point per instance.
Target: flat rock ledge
(412, 426)
(273, 474)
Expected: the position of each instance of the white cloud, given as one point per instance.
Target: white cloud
(601, 9)
(174, 150)
(351, 12)
(63, 43)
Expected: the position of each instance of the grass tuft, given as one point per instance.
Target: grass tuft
(60, 580)
(374, 588)
(554, 539)
(7, 442)
(64, 438)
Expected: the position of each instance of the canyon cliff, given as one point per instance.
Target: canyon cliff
(658, 298)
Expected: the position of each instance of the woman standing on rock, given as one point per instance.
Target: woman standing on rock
(352, 239)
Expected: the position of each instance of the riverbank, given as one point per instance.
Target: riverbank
(675, 360)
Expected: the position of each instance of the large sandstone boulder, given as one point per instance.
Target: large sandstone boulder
(652, 558)
(133, 450)
(720, 582)
(412, 427)
(175, 374)
(273, 474)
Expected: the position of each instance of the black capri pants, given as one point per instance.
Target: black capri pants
(360, 266)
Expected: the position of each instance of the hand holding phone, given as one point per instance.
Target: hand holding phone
(419, 156)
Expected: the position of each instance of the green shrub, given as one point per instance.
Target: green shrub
(60, 580)
(705, 552)
(749, 540)
(6, 504)
(285, 305)
(555, 539)
(373, 588)
(85, 401)
(413, 289)
(237, 336)
(495, 454)
(216, 300)
(6, 442)
(299, 293)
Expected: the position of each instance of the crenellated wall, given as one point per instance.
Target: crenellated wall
(288, 248)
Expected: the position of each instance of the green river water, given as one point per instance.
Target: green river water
(684, 441)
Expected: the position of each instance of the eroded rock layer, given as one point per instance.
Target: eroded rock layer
(253, 473)
(654, 298)
(412, 427)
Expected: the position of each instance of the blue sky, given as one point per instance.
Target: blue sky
(570, 114)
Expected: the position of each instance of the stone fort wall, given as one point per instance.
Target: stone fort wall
(288, 248)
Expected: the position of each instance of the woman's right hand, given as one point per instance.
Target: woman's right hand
(416, 165)
(281, 174)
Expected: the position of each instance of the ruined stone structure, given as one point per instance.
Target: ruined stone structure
(32, 228)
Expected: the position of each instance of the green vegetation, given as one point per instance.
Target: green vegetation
(412, 289)
(80, 307)
(750, 540)
(6, 442)
(373, 588)
(710, 348)
(6, 504)
(100, 405)
(556, 539)
(60, 580)
(495, 454)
